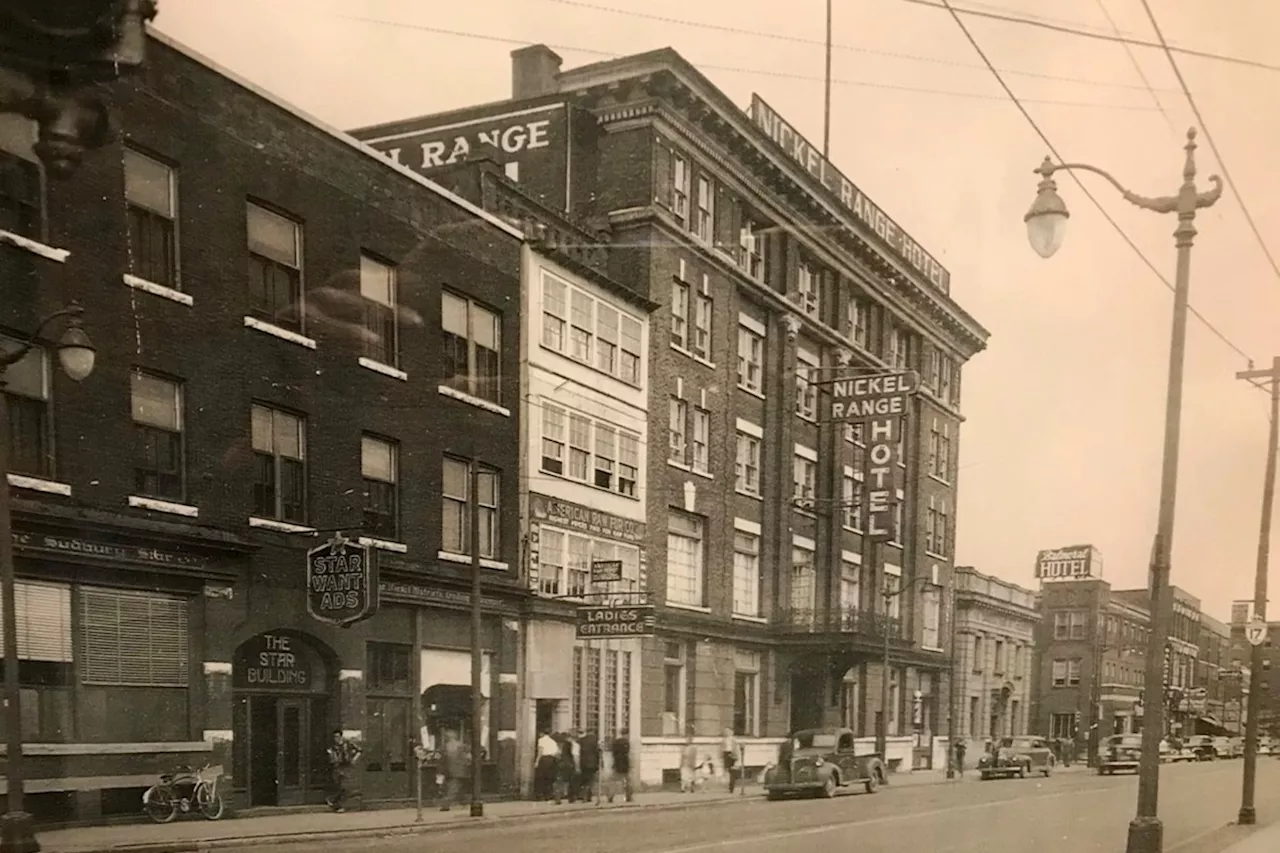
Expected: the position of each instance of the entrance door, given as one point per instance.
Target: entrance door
(292, 754)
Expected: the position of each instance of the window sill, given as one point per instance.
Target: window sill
(158, 505)
(755, 620)
(39, 484)
(693, 608)
(282, 334)
(591, 365)
(35, 247)
(940, 481)
(383, 544)
(809, 419)
(474, 401)
(691, 354)
(937, 649)
(755, 496)
(753, 392)
(706, 475)
(847, 529)
(278, 526)
(170, 293)
(384, 369)
(465, 559)
(671, 463)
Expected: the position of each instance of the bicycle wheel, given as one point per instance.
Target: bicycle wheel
(160, 804)
(209, 802)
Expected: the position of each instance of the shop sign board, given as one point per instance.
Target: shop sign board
(342, 585)
(276, 662)
(1072, 563)
(606, 571)
(584, 519)
(597, 622)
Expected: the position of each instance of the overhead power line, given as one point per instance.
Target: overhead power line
(762, 34)
(1083, 188)
(948, 6)
(730, 69)
(1137, 66)
(1213, 146)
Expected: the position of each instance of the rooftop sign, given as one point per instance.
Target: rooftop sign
(810, 158)
(1074, 562)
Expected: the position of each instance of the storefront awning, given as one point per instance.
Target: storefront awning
(1207, 721)
(447, 700)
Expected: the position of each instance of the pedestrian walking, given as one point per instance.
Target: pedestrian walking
(960, 757)
(620, 750)
(455, 766)
(343, 754)
(544, 769)
(731, 755)
(588, 767)
(689, 766)
(566, 772)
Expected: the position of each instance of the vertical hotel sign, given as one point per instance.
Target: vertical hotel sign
(847, 195)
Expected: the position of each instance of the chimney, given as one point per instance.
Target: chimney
(534, 70)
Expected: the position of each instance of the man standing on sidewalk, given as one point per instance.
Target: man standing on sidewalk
(455, 764)
(960, 758)
(342, 755)
(620, 749)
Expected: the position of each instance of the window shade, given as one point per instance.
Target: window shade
(134, 639)
(44, 621)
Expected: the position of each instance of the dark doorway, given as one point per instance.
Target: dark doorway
(264, 745)
(806, 700)
(287, 742)
(545, 714)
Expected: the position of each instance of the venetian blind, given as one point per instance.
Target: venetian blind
(44, 621)
(134, 639)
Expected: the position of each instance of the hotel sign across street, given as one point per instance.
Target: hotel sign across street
(848, 196)
(1074, 562)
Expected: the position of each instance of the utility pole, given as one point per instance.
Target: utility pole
(1271, 378)
(477, 651)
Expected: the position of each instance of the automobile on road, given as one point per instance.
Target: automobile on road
(1017, 756)
(1120, 753)
(822, 762)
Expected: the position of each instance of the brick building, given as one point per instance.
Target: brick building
(275, 309)
(996, 623)
(1213, 678)
(770, 612)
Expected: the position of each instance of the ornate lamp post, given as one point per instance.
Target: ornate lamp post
(52, 58)
(1046, 226)
(76, 354)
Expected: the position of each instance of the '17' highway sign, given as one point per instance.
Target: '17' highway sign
(1255, 631)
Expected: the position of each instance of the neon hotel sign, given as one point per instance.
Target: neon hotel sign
(850, 197)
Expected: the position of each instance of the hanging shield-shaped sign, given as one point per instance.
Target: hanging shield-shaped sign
(341, 582)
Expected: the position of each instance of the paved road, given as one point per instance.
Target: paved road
(1064, 814)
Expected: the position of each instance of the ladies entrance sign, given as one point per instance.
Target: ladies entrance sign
(342, 587)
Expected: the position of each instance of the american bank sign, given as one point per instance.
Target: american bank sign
(1072, 563)
(899, 242)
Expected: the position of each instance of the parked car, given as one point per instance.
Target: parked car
(1017, 756)
(1202, 747)
(1173, 751)
(1120, 753)
(1225, 747)
(822, 761)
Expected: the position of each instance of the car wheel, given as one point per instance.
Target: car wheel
(1022, 770)
(984, 776)
(772, 795)
(829, 786)
(1048, 769)
(873, 780)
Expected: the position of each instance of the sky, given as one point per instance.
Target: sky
(1065, 409)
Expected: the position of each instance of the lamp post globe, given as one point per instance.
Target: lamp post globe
(1047, 218)
(76, 352)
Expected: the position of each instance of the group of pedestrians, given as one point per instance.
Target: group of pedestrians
(569, 766)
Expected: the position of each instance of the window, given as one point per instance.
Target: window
(704, 215)
(999, 658)
(45, 660)
(750, 359)
(379, 463)
(803, 588)
(564, 562)
(680, 315)
(853, 435)
(388, 708)
(606, 339)
(807, 283)
(628, 464)
(26, 392)
(746, 574)
(378, 287)
(898, 351)
(751, 257)
(747, 465)
(946, 380)
(159, 471)
(806, 472)
(20, 196)
(279, 449)
(1066, 673)
(606, 456)
(936, 527)
(859, 321)
(893, 589)
(579, 446)
(678, 422)
(806, 390)
(553, 439)
(702, 320)
(680, 187)
(897, 520)
(685, 557)
(134, 639)
(275, 268)
(851, 500)
(701, 440)
(456, 495)
(1068, 625)
(746, 693)
(555, 312)
(978, 661)
(389, 668)
(673, 681)
(1062, 726)
(850, 586)
(472, 338)
(940, 450)
(629, 361)
(601, 685)
(151, 200)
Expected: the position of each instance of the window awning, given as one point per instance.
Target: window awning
(1208, 721)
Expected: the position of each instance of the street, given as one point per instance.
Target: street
(1076, 813)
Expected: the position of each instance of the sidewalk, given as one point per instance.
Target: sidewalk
(189, 833)
(1264, 840)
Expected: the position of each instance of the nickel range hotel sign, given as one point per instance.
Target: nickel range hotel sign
(810, 158)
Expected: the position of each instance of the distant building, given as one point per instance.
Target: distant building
(995, 644)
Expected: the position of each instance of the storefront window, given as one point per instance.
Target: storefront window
(44, 661)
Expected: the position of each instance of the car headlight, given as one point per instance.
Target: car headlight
(818, 762)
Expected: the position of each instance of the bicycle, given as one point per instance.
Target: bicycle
(162, 802)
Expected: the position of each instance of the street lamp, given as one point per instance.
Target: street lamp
(1046, 226)
(76, 355)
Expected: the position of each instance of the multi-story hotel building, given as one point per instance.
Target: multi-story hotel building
(995, 634)
(772, 274)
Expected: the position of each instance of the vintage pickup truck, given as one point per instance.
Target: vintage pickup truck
(823, 761)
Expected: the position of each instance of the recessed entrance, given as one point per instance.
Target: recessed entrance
(281, 719)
